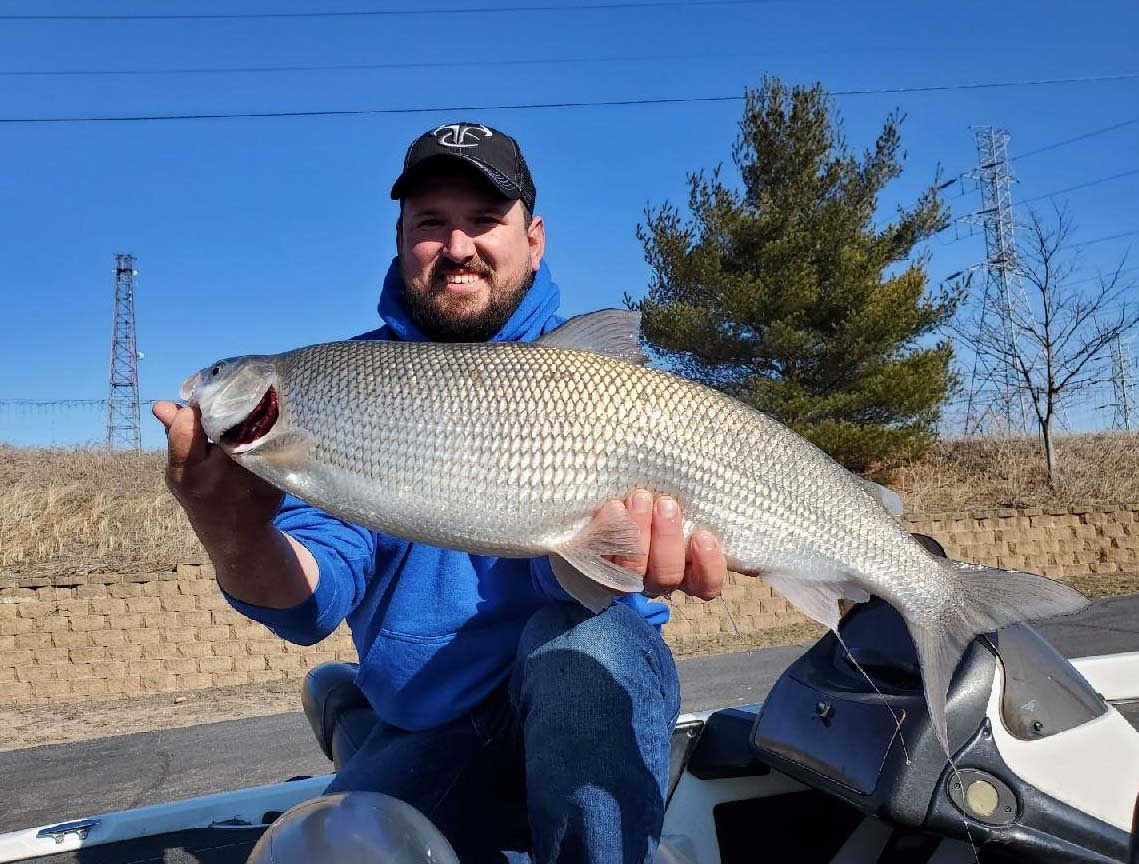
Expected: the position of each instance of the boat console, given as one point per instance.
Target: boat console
(855, 725)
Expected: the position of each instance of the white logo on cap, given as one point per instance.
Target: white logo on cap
(461, 135)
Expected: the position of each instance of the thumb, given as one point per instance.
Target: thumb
(186, 439)
(166, 412)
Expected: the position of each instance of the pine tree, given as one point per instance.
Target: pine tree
(786, 294)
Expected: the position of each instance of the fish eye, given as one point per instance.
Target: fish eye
(216, 370)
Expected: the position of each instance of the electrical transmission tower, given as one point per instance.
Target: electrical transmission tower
(994, 387)
(122, 400)
(1124, 387)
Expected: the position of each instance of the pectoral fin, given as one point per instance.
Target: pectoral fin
(815, 598)
(286, 454)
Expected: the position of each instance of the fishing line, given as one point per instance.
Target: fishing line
(902, 739)
(964, 821)
(905, 750)
(728, 610)
(885, 701)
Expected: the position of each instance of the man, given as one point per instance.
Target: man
(510, 715)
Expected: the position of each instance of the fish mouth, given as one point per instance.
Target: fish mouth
(257, 424)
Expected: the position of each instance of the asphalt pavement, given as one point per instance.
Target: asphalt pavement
(56, 783)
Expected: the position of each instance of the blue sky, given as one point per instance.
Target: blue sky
(258, 235)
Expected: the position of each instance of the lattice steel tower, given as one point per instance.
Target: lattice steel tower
(1124, 386)
(122, 400)
(994, 385)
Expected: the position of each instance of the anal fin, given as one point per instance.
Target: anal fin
(581, 588)
(581, 566)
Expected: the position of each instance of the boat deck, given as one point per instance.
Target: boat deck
(233, 845)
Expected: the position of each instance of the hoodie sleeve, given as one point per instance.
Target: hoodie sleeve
(542, 575)
(346, 560)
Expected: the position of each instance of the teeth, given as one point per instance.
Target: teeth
(462, 279)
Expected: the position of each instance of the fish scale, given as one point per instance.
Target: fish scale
(511, 449)
(534, 417)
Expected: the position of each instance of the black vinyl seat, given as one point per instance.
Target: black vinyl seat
(339, 713)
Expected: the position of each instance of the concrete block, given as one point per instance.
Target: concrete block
(159, 682)
(197, 649)
(194, 681)
(71, 639)
(144, 636)
(89, 654)
(32, 640)
(228, 679)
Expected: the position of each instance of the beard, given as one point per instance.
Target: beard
(448, 318)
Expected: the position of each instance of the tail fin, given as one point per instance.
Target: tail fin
(993, 599)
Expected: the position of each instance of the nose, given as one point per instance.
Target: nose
(459, 246)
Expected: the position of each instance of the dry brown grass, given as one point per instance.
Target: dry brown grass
(84, 511)
(981, 473)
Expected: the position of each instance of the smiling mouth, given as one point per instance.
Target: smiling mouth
(461, 278)
(257, 424)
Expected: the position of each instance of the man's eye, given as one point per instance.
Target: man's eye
(428, 223)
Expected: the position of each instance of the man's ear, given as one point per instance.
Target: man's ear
(536, 236)
(399, 232)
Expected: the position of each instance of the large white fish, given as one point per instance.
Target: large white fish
(510, 449)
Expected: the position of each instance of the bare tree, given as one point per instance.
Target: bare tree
(1056, 346)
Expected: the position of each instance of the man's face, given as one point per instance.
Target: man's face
(466, 255)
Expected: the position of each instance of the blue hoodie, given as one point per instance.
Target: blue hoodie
(435, 630)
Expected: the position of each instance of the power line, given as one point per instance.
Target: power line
(632, 58)
(1099, 180)
(671, 100)
(1082, 137)
(65, 403)
(1104, 239)
(990, 85)
(338, 67)
(947, 279)
(1102, 277)
(352, 112)
(391, 13)
(1086, 185)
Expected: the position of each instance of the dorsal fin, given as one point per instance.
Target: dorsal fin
(615, 332)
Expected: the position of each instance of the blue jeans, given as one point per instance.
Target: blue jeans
(568, 759)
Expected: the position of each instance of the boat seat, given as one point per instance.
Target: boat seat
(339, 713)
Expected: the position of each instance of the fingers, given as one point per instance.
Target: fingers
(708, 569)
(639, 505)
(666, 564)
(697, 568)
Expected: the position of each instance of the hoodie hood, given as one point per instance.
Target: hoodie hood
(535, 315)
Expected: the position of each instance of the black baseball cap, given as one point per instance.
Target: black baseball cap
(495, 154)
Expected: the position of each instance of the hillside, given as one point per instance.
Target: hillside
(980, 473)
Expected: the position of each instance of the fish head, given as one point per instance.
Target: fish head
(239, 401)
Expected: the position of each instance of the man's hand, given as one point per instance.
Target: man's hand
(698, 570)
(231, 511)
(220, 497)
